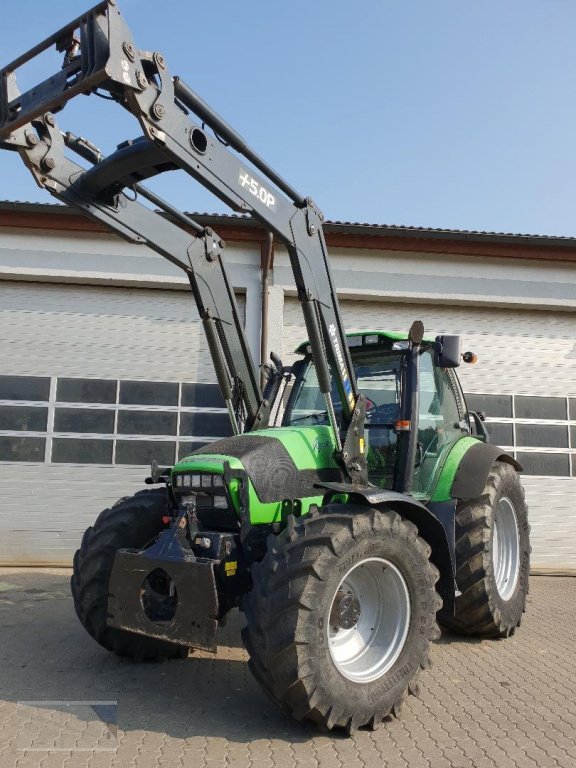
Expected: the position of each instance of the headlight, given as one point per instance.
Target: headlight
(196, 482)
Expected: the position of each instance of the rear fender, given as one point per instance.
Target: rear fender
(472, 472)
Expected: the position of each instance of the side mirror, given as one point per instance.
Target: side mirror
(479, 428)
(416, 333)
(448, 353)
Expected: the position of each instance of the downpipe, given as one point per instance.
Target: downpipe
(267, 256)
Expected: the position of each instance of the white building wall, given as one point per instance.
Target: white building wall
(88, 258)
(411, 276)
(77, 304)
(90, 307)
(520, 351)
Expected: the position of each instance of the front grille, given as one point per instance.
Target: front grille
(209, 496)
(209, 489)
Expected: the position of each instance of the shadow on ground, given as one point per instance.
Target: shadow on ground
(46, 655)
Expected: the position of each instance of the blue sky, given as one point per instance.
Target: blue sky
(439, 113)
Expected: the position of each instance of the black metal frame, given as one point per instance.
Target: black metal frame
(100, 54)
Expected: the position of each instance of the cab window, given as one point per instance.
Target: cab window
(438, 423)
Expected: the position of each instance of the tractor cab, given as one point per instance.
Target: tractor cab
(379, 358)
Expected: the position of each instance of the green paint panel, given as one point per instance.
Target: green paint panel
(309, 447)
(205, 463)
(259, 512)
(389, 335)
(451, 464)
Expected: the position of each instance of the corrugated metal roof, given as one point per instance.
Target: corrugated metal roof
(345, 227)
(17, 203)
(409, 228)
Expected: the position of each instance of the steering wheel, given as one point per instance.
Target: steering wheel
(370, 407)
(437, 441)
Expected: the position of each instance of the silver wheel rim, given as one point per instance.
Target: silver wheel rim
(366, 651)
(505, 548)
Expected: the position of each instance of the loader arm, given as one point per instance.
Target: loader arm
(99, 54)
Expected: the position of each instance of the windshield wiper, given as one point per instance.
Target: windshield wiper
(316, 414)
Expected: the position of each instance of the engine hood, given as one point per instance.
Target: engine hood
(281, 463)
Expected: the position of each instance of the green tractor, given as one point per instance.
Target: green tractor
(357, 502)
(340, 584)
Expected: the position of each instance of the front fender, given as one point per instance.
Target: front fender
(435, 525)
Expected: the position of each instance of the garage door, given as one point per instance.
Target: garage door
(94, 383)
(525, 380)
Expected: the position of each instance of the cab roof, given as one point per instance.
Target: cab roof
(382, 335)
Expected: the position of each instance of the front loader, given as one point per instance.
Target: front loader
(357, 500)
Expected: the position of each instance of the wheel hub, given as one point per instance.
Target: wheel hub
(345, 611)
(368, 621)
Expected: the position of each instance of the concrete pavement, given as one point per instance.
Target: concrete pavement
(507, 703)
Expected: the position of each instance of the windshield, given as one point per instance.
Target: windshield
(379, 380)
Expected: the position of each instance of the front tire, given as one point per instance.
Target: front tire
(341, 615)
(492, 558)
(132, 522)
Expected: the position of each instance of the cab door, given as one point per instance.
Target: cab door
(441, 423)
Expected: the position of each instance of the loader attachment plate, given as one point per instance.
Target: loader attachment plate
(194, 604)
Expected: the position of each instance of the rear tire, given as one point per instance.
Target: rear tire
(302, 651)
(492, 558)
(132, 522)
